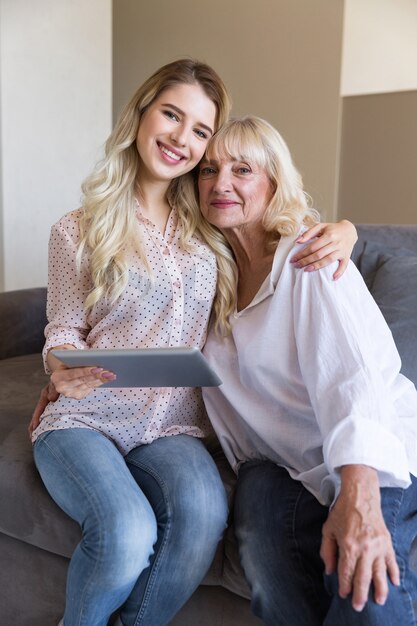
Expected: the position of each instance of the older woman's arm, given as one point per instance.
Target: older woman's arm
(356, 541)
(333, 242)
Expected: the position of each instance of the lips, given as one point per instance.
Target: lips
(223, 204)
(168, 151)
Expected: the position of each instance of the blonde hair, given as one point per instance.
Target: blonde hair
(108, 223)
(254, 140)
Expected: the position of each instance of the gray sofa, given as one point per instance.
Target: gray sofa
(37, 538)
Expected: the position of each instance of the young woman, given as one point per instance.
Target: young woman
(130, 269)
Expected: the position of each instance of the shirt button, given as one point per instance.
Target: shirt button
(176, 284)
(177, 322)
(166, 251)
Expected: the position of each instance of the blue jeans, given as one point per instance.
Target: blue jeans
(278, 527)
(150, 522)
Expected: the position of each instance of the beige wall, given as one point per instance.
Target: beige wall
(378, 163)
(280, 58)
(379, 138)
(379, 46)
(1, 191)
(55, 90)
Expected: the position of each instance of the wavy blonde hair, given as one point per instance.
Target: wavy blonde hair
(108, 222)
(257, 142)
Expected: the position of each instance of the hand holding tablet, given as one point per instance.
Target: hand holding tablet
(146, 367)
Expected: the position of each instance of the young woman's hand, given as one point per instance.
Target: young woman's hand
(334, 243)
(78, 382)
(75, 383)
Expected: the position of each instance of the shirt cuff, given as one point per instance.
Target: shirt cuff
(60, 340)
(361, 441)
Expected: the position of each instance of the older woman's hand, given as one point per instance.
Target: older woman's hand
(356, 541)
(334, 243)
(48, 394)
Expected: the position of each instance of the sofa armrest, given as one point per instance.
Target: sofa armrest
(22, 321)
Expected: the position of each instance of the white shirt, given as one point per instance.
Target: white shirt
(311, 381)
(171, 309)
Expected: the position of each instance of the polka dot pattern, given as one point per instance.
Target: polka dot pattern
(169, 308)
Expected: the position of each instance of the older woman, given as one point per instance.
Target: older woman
(313, 415)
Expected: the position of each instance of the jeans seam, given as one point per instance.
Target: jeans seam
(399, 502)
(403, 587)
(158, 556)
(82, 486)
(401, 563)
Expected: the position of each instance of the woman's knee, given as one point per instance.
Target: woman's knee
(202, 499)
(182, 483)
(122, 540)
(398, 608)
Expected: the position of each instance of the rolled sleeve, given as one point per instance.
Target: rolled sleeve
(360, 441)
(67, 290)
(338, 327)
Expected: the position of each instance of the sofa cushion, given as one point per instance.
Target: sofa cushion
(22, 321)
(395, 290)
(391, 276)
(27, 512)
(232, 575)
(369, 257)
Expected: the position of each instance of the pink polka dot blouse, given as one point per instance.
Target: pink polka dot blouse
(169, 308)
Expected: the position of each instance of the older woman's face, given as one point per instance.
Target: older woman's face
(233, 193)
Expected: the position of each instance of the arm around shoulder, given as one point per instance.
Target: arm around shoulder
(333, 242)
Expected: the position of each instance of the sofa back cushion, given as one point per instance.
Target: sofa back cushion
(22, 321)
(390, 272)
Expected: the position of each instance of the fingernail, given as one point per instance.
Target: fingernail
(297, 264)
(299, 240)
(108, 376)
(96, 370)
(309, 268)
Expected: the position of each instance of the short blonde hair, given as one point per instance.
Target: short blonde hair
(254, 140)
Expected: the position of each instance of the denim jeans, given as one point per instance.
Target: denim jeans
(278, 527)
(150, 522)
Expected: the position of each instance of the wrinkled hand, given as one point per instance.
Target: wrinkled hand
(357, 542)
(75, 383)
(334, 243)
(48, 394)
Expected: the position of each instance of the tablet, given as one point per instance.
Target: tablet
(147, 367)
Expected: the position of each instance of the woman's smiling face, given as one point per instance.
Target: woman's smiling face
(233, 193)
(174, 131)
